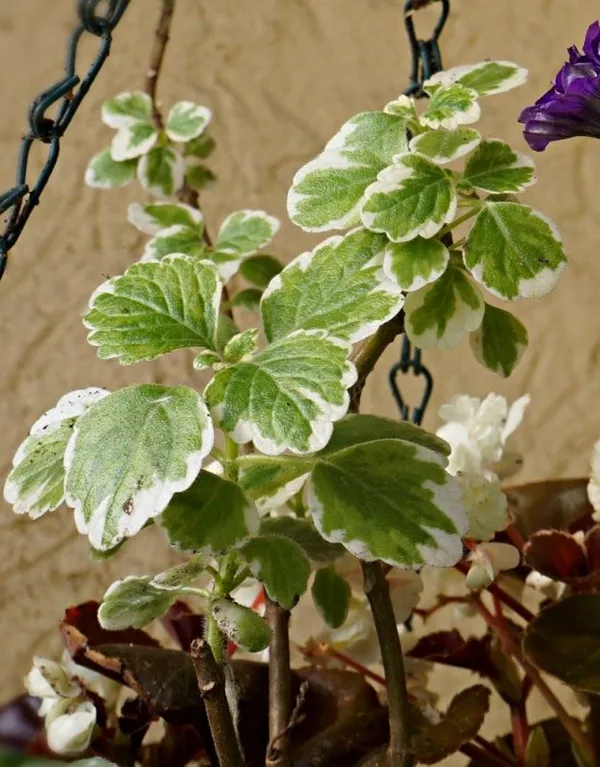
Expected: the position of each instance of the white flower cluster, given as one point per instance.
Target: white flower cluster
(594, 483)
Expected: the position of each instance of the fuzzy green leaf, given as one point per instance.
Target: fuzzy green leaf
(241, 346)
(133, 602)
(500, 341)
(153, 218)
(442, 146)
(272, 480)
(280, 564)
(180, 576)
(331, 595)
(304, 533)
(487, 77)
(260, 270)
(241, 625)
(415, 263)
(186, 121)
(105, 173)
(126, 108)
(246, 231)
(176, 239)
(495, 167)
(451, 106)
(161, 171)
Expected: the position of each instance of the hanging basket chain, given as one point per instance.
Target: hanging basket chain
(68, 92)
(426, 60)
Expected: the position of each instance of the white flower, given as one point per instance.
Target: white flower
(106, 688)
(594, 483)
(484, 501)
(487, 560)
(70, 733)
(550, 588)
(48, 679)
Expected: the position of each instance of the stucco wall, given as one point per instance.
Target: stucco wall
(280, 77)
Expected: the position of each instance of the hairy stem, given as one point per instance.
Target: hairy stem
(280, 686)
(211, 684)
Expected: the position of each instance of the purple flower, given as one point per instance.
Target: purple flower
(572, 106)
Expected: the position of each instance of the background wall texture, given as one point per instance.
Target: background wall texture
(280, 77)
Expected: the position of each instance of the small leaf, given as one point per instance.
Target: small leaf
(451, 106)
(556, 554)
(442, 313)
(331, 595)
(280, 564)
(260, 270)
(495, 167)
(155, 308)
(179, 576)
(537, 752)
(442, 146)
(36, 483)
(206, 359)
(241, 625)
(272, 480)
(500, 341)
(153, 218)
(514, 251)
(186, 121)
(245, 232)
(412, 197)
(564, 640)
(403, 106)
(487, 77)
(241, 346)
(212, 516)
(327, 193)
(129, 454)
(199, 176)
(161, 171)
(105, 173)
(133, 602)
(339, 287)
(415, 263)
(304, 533)
(175, 239)
(128, 107)
(248, 299)
(133, 140)
(287, 396)
(202, 146)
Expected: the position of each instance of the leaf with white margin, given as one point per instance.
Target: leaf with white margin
(161, 171)
(403, 106)
(451, 106)
(500, 341)
(105, 173)
(389, 499)
(415, 263)
(246, 231)
(133, 140)
(495, 167)
(339, 287)
(442, 313)
(241, 346)
(176, 239)
(156, 216)
(327, 193)
(128, 107)
(212, 516)
(487, 77)
(180, 576)
(247, 629)
(272, 480)
(305, 534)
(129, 454)
(442, 146)
(36, 483)
(514, 251)
(187, 121)
(133, 602)
(412, 197)
(287, 396)
(154, 308)
(280, 564)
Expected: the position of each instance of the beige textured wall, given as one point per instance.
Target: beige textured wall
(280, 76)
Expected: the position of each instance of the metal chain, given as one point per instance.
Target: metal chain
(426, 60)
(68, 93)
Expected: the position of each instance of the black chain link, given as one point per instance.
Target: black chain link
(426, 60)
(22, 198)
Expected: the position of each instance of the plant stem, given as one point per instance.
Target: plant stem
(483, 757)
(503, 596)
(280, 686)
(377, 591)
(458, 221)
(211, 684)
(157, 55)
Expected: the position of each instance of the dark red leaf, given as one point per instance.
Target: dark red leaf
(556, 554)
(560, 504)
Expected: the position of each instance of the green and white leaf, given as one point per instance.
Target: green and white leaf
(126, 108)
(186, 121)
(133, 602)
(487, 77)
(514, 251)
(178, 238)
(154, 308)
(153, 218)
(442, 146)
(260, 269)
(339, 287)
(241, 625)
(415, 263)
(327, 193)
(180, 576)
(331, 596)
(495, 167)
(105, 173)
(133, 140)
(442, 313)
(206, 359)
(129, 454)
(212, 516)
(36, 483)
(288, 396)
(161, 171)
(272, 480)
(241, 347)
(411, 197)
(280, 564)
(500, 341)
(403, 106)
(451, 106)
(304, 533)
(246, 231)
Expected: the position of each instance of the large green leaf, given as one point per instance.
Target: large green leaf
(495, 167)
(161, 171)
(129, 454)
(450, 106)
(36, 483)
(415, 263)
(486, 77)
(287, 396)
(339, 287)
(133, 602)
(442, 146)
(514, 251)
(327, 193)
(442, 313)
(155, 308)
(500, 341)
(212, 516)
(331, 595)
(280, 564)
(304, 533)
(411, 197)
(105, 173)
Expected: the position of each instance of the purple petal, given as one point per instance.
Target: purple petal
(591, 46)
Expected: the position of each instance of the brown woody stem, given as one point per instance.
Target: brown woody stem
(280, 686)
(157, 55)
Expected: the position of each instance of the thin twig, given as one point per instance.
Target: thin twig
(502, 595)
(211, 684)
(483, 757)
(280, 686)
(157, 55)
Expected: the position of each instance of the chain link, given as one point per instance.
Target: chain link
(68, 93)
